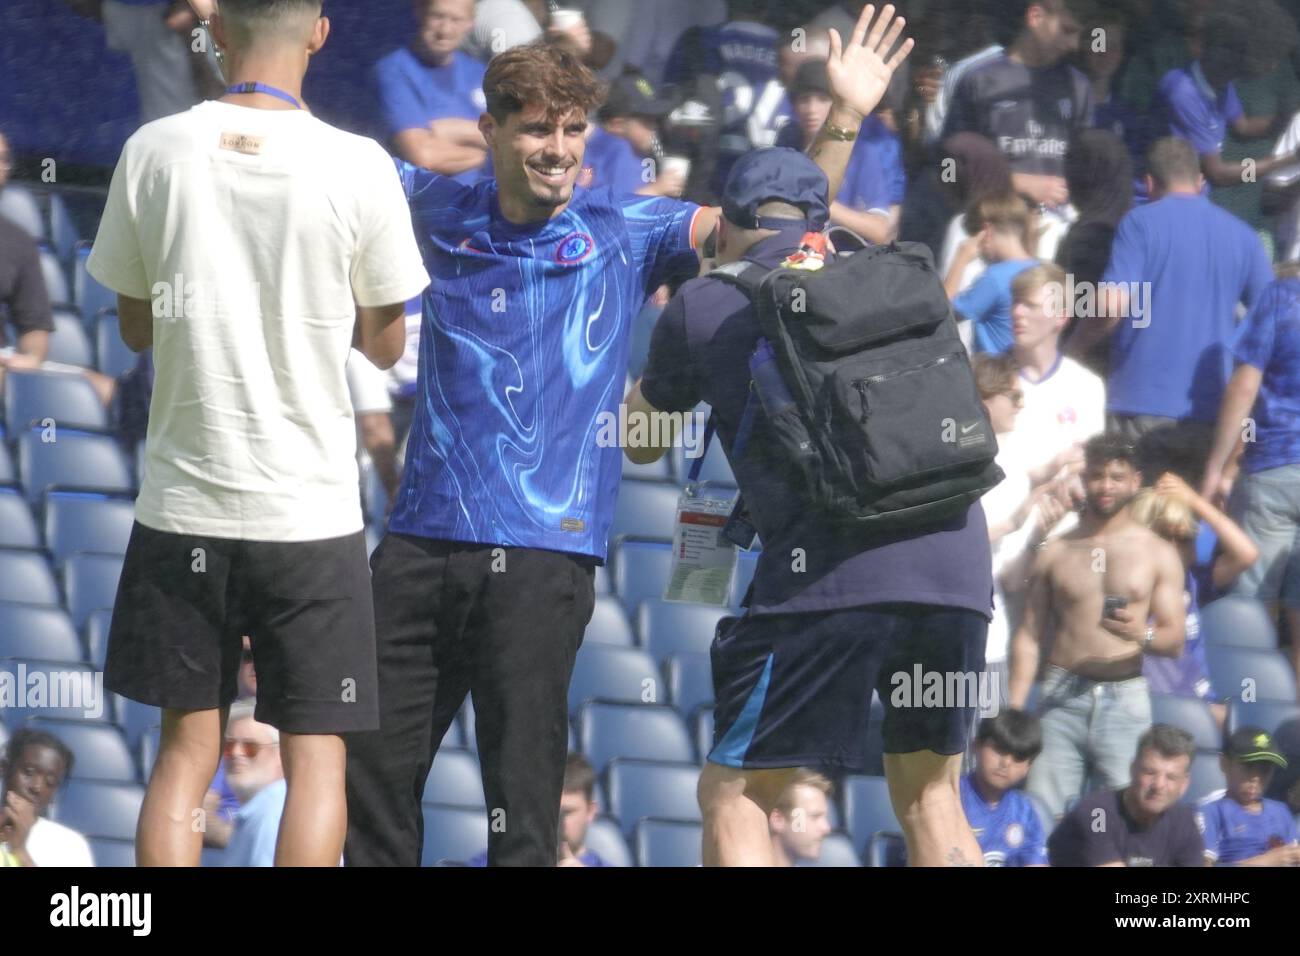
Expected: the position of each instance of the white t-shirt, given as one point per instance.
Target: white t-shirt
(1066, 406)
(1288, 222)
(277, 226)
(53, 844)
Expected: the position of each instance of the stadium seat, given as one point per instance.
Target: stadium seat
(641, 570)
(644, 508)
(867, 809)
(466, 720)
(454, 780)
(112, 853)
(97, 809)
(90, 583)
(17, 528)
(63, 229)
(666, 627)
(1235, 621)
(150, 741)
(112, 357)
(85, 521)
(716, 469)
(64, 397)
(886, 848)
(26, 578)
(1189, 713)
(638, 731)
(135, 718)
(100, 749)
(690, 682)
(1266, 674)
(88, 294)
(619, 674)
(703, 724)
(636, 789)
(602, 584)
(56, 281)
(1207, 777)
(69, 343)
(38, 633)
(668, 843)
(875, 756)
(837, 850)
(8, 473)
(453, 739)
(75, 460)
(608, 624)
(20, 206)
(605, 839)
(453, 833)
(1267, 714)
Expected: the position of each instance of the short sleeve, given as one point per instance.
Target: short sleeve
(1033, 852)
(1207, 822)
(1190, 847)
(399, 99)
(1127, 253)
(116, 259)
(660, 231)
(1232, 109)
(29, 307)
(387, 267)
(668, 382)
(1260, 269)
(1188, 117)
(1253, 344)
(1289, 836)
(979, 301)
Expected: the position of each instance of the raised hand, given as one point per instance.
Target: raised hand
(859, 72)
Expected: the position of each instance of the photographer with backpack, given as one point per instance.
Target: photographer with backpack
(846, 405)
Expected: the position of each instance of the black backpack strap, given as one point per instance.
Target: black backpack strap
(745, 276)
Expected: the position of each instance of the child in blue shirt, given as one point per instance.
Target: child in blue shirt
(1000, 227)
(1245, 828)
(1004, 820)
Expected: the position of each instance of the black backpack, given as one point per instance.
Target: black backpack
(862, 391)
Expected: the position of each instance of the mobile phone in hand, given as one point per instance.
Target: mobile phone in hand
(1112, 604)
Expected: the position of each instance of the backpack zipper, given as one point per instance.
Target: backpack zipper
(863, 384)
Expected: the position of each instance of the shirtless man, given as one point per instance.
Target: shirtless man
(1109, 592)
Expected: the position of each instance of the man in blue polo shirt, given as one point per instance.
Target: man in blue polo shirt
(1002, 817)
(431, 94)
(1243, 827)
(1179, 268)
(484, 582)
(832, 612)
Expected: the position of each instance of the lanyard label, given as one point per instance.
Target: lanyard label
(704, 561)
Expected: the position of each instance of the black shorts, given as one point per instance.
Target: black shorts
(794, 690)
(184, 603)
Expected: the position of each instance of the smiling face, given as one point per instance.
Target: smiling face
(537, 159)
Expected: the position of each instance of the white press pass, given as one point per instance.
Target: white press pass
(704, 562)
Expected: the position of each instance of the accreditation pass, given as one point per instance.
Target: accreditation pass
(703, 560)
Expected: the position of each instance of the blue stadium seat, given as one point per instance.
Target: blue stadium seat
(74, 460)
(1268, 714)
(88, 294)
(86, 521)
(641, 570)
(64, 691)
(466, 720)
(96, 635)
(150, 741)
(97, 809)
(602, 584)
(669, 843)
(666, 627)
(17, 529)
(703, 724)
(65, 397)
(135, 718)
(453, 833)
(453, 739)
(1238, 621)
(746, 565)
(20, 206)
(605, 839)
(636, 789)
(608, 624)
(716, 469)
(56, 280)
(26, 578)
(638, 731)
(1269, 674)
(886, 848)
(100, 749)
(454, 780)
(90, 583)
(617, 674)
(8, 473)
(38, 633)
(837, 850)
(112, 853)
(690, 682)
(63, 229)
(644, 508)
(867, 809)
(69, 343)
(1207, 777)
(112, 357)
(1189, 713)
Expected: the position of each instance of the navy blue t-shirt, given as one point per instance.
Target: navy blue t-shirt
(948, 565)
(1099, 830)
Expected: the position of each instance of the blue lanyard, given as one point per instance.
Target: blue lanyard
(251, 87)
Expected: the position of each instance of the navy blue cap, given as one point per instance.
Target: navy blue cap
(775, 175)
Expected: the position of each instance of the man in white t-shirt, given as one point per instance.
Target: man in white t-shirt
(34, 767)
(269, 243)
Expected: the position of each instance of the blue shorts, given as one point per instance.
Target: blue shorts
(794, 690)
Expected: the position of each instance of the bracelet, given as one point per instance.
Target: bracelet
(840, 134)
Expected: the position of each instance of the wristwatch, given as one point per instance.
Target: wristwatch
(1149, 639)
(840, 134)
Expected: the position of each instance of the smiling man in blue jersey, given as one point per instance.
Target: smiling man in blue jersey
(484, 583)
(1003, 818)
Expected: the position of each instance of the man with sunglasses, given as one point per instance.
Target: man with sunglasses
(1109, 592)
(255, 774)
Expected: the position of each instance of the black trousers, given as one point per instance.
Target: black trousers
(502, 624)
